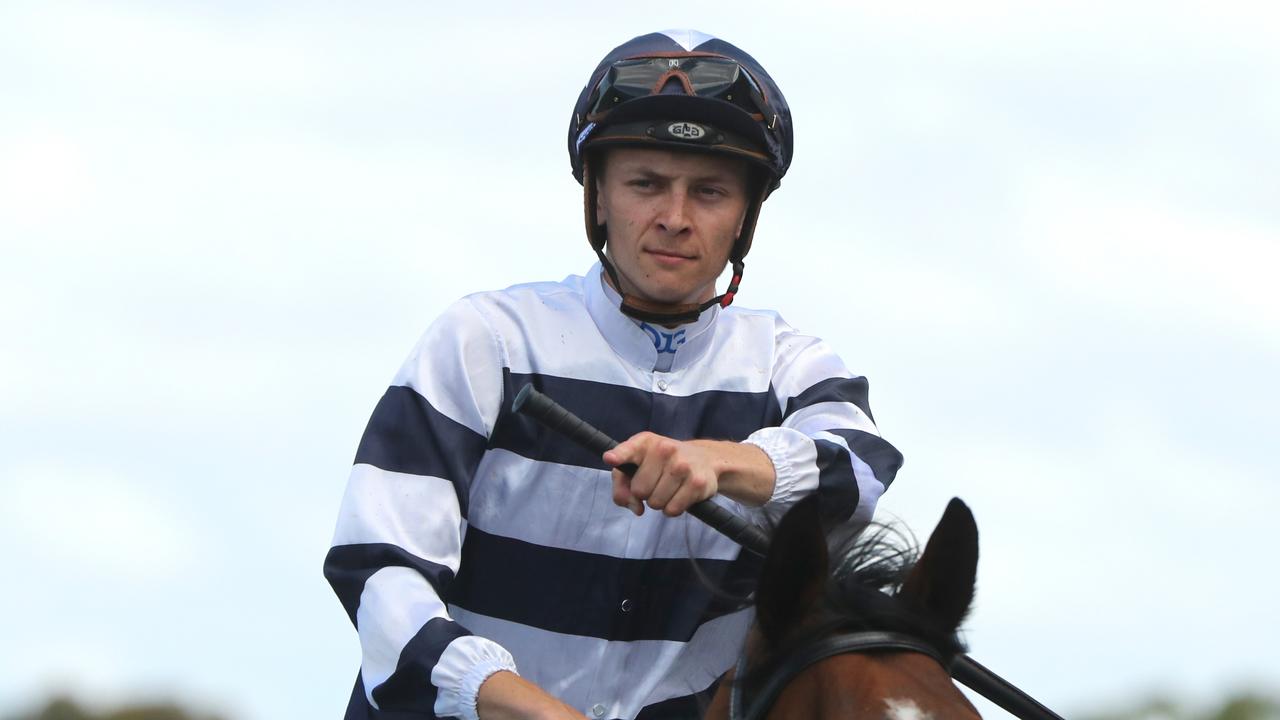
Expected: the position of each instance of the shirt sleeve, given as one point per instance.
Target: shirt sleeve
(827, 441)
(398, 541)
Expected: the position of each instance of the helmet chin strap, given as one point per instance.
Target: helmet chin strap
(663, 313)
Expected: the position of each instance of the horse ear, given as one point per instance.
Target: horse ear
(795, 571)
(942, 581)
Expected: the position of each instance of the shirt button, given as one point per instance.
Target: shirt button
(597, 710)
(626, 605)
(662, 384)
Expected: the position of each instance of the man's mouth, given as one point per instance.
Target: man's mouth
(668, 256)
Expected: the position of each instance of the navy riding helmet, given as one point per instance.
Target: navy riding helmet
(684, 90)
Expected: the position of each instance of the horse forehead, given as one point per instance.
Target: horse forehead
(907, 686)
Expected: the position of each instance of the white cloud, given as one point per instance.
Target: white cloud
(90, 521)
(43, 174)
(1117, 246)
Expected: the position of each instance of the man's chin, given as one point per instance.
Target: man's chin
(673, 295)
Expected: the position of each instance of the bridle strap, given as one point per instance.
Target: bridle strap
(811, 654)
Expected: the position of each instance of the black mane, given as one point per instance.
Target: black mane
(868, 570)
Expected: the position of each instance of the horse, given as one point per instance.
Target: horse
(868, 636)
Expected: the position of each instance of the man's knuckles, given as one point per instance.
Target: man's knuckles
(665, 448)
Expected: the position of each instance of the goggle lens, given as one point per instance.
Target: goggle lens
(712, 77)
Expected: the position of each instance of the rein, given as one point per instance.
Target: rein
(964, 669)
(821, 650)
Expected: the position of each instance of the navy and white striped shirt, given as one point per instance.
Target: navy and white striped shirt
(472, 540)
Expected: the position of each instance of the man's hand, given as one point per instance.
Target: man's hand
(507, 696)
(672, 474)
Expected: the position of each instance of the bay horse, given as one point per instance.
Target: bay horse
(866, 637)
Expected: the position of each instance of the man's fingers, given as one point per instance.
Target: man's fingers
(632, 450)
(667, 486)
(614, 457)
(622, 496)
(624, 487)
(660, 472)
(693, 489)
(670, 475)
(652, 463)
(689, 493)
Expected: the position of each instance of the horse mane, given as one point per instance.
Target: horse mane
(868, 570)
(868, 566)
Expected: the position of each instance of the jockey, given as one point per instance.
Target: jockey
(496, 570)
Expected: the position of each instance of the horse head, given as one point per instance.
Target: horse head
(864, 630)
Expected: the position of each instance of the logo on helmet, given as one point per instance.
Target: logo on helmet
(582, 136)
(686, 131)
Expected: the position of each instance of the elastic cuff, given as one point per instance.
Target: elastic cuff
(785, 476)
(472, 682)
(458, 698)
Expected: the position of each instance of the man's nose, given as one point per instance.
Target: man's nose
(673, 217)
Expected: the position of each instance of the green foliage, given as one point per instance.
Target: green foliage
(60, 709)
(64, 708)
(1156, 709)
(1246, 706)
(1249, 707)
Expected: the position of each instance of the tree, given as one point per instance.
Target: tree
(65, 708)
(1241, 706)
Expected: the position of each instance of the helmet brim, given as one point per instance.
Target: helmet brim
(640, 123)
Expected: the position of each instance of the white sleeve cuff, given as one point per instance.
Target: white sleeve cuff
(462, 669)
(794, 459)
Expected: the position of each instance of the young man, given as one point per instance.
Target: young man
(489, 566)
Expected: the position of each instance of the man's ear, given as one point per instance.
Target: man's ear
(595, 164)
(602, 214)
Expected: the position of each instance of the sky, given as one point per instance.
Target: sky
(1047, 233)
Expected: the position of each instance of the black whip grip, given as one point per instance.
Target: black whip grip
(548, 412)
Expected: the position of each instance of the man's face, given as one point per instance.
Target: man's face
(672, 219)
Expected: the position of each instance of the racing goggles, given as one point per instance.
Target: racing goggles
(702, 76)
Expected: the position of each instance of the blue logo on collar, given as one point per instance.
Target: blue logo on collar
(664, 342)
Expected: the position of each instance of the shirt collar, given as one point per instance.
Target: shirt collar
(643, 343)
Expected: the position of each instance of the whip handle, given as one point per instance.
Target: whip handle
(550, 413)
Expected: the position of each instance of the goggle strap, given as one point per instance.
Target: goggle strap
(676, 73)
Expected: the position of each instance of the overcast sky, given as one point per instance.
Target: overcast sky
(1047, 232)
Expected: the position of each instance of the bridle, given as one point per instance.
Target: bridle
(867, 641)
